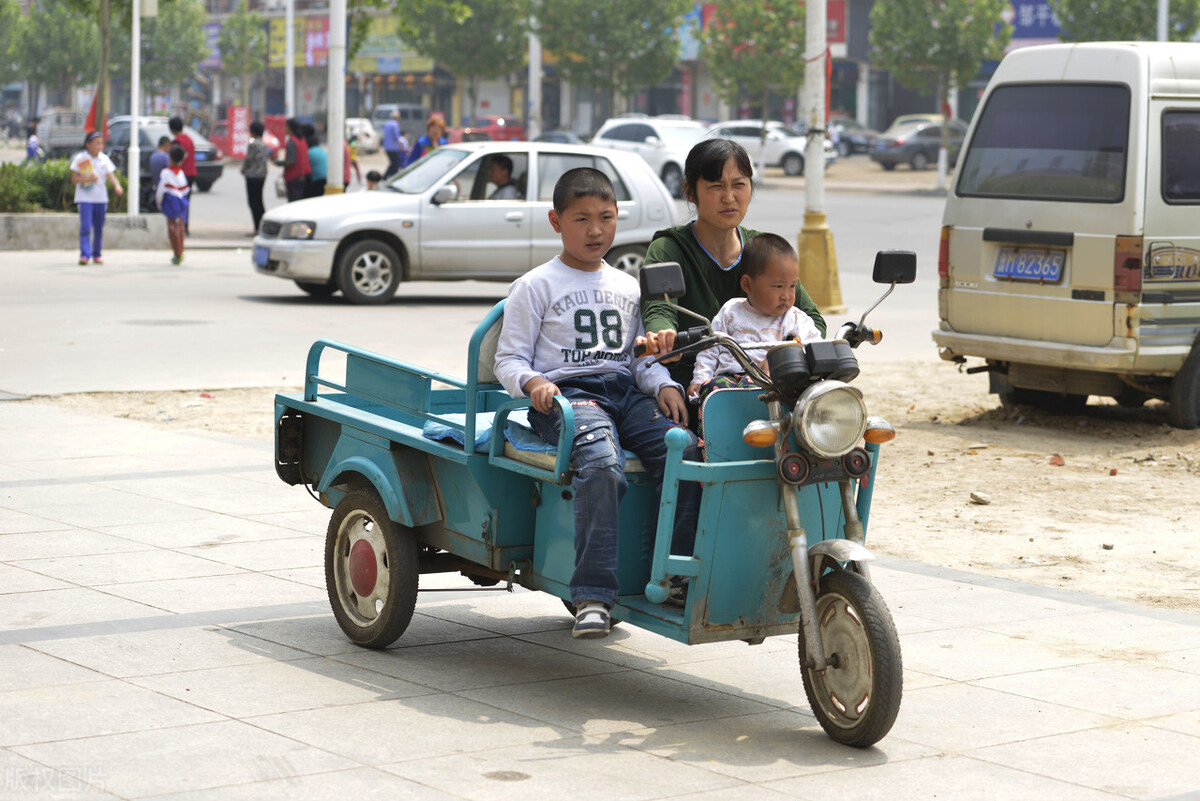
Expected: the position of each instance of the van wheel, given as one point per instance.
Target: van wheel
(1184, 399)
(1053, 402)
(793, 164)
(919, 161)
(672, 178)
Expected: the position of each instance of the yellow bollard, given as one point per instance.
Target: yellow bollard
(818, 264)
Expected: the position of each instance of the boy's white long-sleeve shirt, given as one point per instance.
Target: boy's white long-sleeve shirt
(746, 325)
(560, 323)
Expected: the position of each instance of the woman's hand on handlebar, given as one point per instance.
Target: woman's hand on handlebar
(659, 342)
(541, 394)
(671, 401)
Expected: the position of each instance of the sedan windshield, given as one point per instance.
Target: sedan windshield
(426, 171)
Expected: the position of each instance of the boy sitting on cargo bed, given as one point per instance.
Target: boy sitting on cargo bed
(569, 329)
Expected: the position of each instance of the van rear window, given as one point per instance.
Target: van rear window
(1180, 155)
(1055, 141)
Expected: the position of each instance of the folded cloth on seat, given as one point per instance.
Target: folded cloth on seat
(516, 431)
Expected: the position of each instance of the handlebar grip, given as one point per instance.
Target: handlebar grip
(639, 350)
(682, 340)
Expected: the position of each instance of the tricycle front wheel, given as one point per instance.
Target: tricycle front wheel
(370, 571)
(857, 697)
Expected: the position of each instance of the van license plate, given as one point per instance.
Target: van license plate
(1025, 264)
(261, 255)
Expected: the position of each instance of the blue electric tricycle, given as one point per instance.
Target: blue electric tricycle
(429, 473)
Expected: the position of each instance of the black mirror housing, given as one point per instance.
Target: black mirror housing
(664, 278)
(895, 267)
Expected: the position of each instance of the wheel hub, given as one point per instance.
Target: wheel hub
(364, 568)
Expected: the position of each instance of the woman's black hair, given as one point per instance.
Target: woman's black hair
(706, 161)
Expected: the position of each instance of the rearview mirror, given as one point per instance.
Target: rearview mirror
(895, 267)
(664, 278)
(445, 194)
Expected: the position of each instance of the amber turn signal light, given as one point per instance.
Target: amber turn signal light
(879, 431)
(760, 433)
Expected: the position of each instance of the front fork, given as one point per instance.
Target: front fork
(805, 559)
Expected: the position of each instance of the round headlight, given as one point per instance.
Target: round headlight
(832, 418)
(300, 229)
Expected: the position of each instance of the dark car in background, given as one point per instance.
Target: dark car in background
(210, 161)
(916, 144)
(851, 135)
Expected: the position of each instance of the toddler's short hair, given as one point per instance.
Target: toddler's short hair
(582, 182)
(760, 249)
(177, 155)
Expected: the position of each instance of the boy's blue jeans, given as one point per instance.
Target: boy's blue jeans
(91, 229)
(612, 414)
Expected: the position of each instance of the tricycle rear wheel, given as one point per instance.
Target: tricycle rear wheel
(370, 571)
(857, 697)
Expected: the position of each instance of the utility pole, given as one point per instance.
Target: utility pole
(818, 262)
(335, 129)
(1162, 20)
(289, 60)
(533, 103)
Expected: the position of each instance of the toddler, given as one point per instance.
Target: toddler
(770, 275)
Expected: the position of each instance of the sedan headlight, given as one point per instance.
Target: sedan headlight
(301, 229)
(830, 418)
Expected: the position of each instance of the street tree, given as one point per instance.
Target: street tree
(488, 42)
(1124, 20)
(932, 45)
(754, 46)
(56, 46)
(173, 44)
(10, 21)
(243, 46)
(618, 46)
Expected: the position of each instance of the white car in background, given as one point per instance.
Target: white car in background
(663, 142)
(784, 147)
(368, 137)
(435, 221)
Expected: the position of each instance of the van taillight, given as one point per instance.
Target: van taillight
(1127, 264)
(944, 253)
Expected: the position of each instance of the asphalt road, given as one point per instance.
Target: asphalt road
(137, 323)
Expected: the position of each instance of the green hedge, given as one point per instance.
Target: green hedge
(46, 187)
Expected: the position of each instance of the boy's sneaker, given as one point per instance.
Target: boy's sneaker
(97, 260)
(177, 260)
(591, 621)
(678, 591)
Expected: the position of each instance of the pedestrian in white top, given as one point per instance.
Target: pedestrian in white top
(90, 168)
(569, 329)
(770, 275)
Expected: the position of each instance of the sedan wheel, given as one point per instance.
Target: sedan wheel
(628, 259)
(369, 272)
(672, 177)
(793, 164)
(919, 161)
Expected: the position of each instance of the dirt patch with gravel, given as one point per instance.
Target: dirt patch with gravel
(1104, 501)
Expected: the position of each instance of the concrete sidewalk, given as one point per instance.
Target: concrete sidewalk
(164, 632)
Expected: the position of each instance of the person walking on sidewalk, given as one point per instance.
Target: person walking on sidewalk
(394, 144)
(254, 170)
(90, 169)
(189, 160)
(172, 197)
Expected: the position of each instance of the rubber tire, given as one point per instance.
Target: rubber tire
(203, 186)
(628, 259)
(361, 513)
(317, 290)
(860, 638)
(1053, 402)
(919, 161)
(792, 163)
(672, 178)
(377, 254)
(888, 167)
(1183, 410)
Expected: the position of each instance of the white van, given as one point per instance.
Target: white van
(1070, 249)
